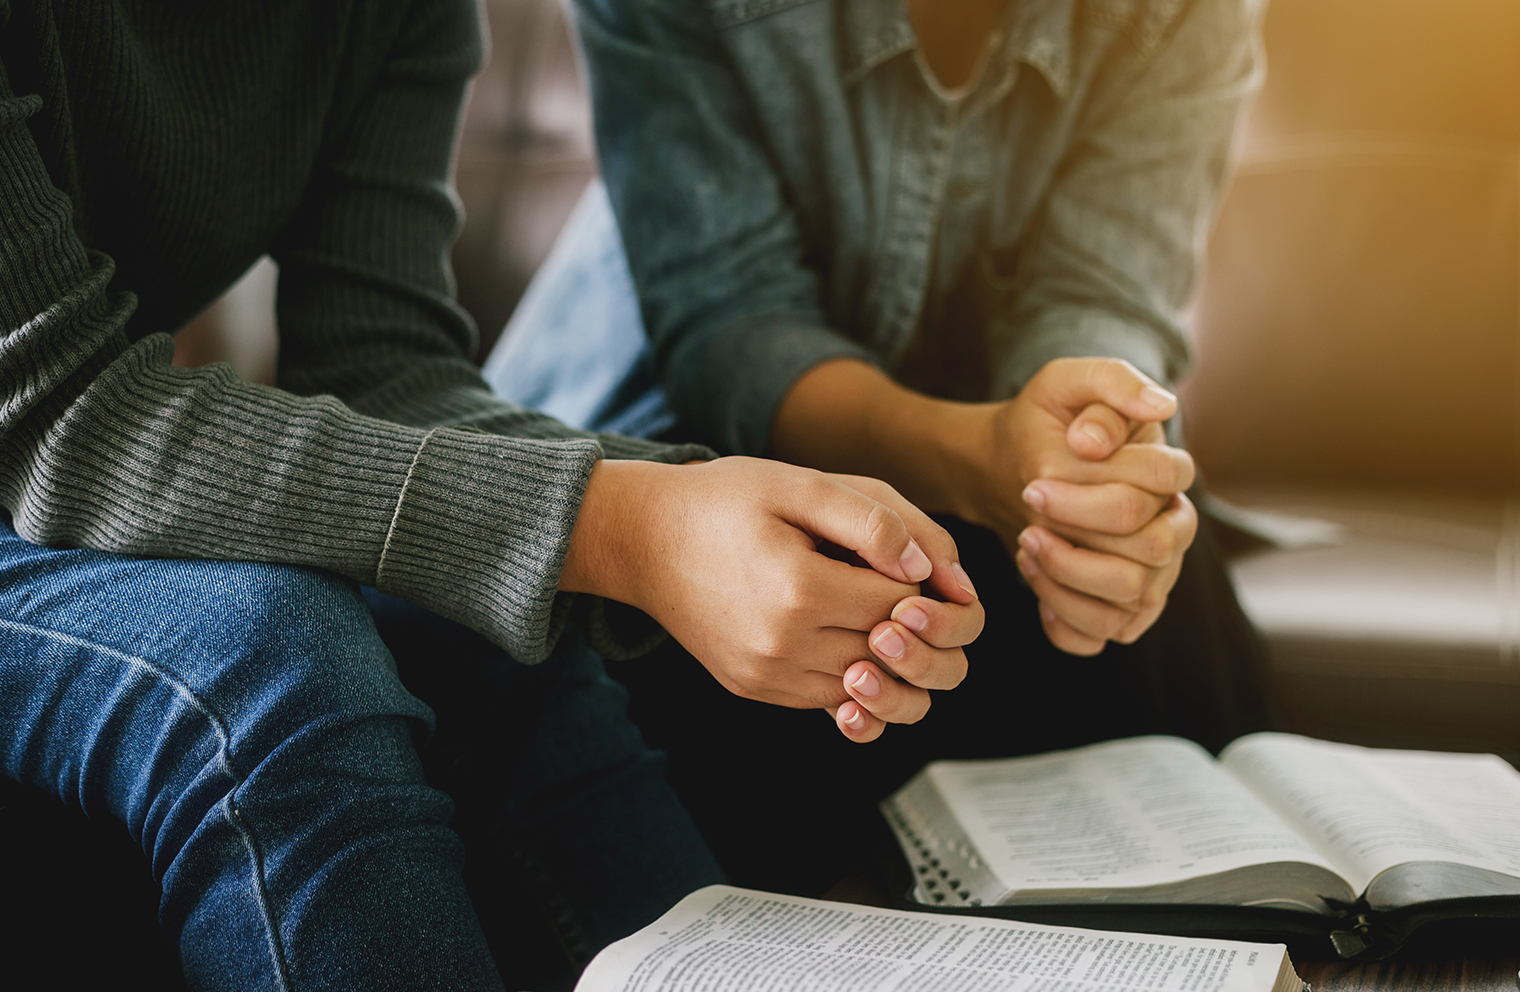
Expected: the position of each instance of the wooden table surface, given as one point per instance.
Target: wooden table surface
(1466, 975)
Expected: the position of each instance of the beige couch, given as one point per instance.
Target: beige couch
(1358, 361)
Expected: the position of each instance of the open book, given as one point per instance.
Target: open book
(722, 939)
(1357, 844)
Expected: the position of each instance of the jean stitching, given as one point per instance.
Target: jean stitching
(245, 833)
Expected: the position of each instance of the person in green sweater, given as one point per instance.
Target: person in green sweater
(216, 596)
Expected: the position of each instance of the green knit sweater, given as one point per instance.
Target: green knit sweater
(150, 151)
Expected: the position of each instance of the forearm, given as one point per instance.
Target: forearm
(848, 416)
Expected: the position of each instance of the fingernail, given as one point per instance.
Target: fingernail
(914, 563)
(1096, 433)
(867, 684)
(912, 617)
(962, 579)
(1156, 398)
(856, 720)
(890, 643)
(1035, 497)
(1027, 565)
(1030, 541)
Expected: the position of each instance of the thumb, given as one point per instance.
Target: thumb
(1098, 432)
(1075, 384)
(851, 519)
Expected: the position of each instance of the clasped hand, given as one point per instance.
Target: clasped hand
(1100, 524)
(743, 561)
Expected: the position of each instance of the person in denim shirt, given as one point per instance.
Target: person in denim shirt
(946, 245)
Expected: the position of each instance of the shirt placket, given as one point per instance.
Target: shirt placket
(942, 167)
(924, 142)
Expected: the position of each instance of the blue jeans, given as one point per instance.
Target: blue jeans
(248, 724)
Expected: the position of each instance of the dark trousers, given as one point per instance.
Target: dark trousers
(787, 803)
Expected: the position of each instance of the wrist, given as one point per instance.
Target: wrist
(850, 417)
(940, 447)
(611, 547)
(967, 438)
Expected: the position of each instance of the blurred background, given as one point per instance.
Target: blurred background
(1355, 401)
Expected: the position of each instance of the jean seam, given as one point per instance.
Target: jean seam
(245, 833)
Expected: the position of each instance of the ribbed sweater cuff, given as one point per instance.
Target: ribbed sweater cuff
(481, 530)
(638, 449)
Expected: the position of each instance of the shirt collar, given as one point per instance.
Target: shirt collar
(1035, 32)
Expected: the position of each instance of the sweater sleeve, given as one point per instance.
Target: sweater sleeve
(385, 460)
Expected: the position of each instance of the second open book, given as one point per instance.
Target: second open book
(1306, 836)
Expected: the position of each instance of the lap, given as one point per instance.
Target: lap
(257, 652)
(151, 664)
(127, 685)
(810, 795)
(580, 814)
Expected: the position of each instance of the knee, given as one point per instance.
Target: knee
(301, 716)
(245, 656)
(291, 651)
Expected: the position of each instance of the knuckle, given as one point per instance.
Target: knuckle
(1061, 569)
(881, 526)
(1112, 372)
(768, 649)
(750, 673)
(914, 664)
(978, 623)
(1159, 471)
(1189, 525)
(816, 489)
(1158, 546)
(1046, 468)
(794, 598)
(1113, 623)
(1133, 510)
(958, 671)
(1109, 417)
(1131, 585)
(873, 488)
(1187, 469)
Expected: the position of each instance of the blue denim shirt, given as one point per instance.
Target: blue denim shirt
(793, 184)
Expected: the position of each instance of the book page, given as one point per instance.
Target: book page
(1368, 809)
(1144, 811)
(723, 939)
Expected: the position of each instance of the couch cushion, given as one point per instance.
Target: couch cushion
(1406, 630)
